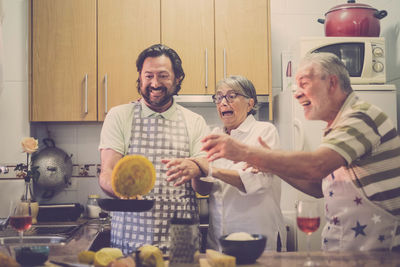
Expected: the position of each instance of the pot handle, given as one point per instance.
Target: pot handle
(67, 180)
(49, 142)
(322, 21)
(67, 158)
(380, 14)
(48, 194)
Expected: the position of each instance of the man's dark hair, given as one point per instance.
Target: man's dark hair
(159, 50)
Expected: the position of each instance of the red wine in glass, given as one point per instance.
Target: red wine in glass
(308, 225)
(21, 223)
(308, 220)
(20, 216)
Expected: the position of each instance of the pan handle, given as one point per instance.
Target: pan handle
(380, 14)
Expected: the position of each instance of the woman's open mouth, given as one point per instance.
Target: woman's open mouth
(227, 113)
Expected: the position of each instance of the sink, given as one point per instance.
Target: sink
(43, 239)
(40, 234)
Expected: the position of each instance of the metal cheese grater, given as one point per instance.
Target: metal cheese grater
(184, 233)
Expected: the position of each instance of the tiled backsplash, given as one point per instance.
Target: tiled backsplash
(78, 170)
(84, 182)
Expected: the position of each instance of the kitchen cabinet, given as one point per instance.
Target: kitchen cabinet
(64, 59)
(188, 27)
(242, 41)
(218, 38)
(84, 55)
(124, 30)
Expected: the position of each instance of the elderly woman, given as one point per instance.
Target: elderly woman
(240, 200)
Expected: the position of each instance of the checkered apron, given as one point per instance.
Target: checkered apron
(155, 138)
(353, 221)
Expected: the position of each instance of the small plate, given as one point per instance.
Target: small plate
(132, 205)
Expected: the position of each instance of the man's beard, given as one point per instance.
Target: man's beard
(158, 102)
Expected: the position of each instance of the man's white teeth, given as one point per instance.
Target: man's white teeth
(306, 103)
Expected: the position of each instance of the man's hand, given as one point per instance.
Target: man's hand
(181, 170)
(223, 146)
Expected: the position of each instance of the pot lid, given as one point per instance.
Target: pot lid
(350, 5)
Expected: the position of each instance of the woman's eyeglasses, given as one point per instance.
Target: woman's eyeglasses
(230, 97)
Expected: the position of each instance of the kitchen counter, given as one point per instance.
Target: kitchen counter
(329, 259)
(84, 237)
(81, 240)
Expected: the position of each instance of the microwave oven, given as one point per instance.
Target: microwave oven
(364, 57)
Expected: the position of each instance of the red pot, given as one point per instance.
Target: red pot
(353, 19)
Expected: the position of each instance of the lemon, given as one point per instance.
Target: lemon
(86, 256)
(133, 175)
(150, 256)
(106, 255)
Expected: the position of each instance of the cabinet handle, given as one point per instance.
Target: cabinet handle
(86, 93)
(224, 63)
(105, 94)
(206, 68)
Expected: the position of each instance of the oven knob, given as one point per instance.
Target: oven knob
(378, 52)
(378, 66)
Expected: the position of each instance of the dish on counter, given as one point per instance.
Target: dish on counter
(245, 251)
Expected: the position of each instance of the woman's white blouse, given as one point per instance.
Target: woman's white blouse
(258, 210)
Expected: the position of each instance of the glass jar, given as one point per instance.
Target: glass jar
(92, 207)
(29, 201)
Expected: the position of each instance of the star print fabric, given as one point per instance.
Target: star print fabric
(369, 142)
(353, 221)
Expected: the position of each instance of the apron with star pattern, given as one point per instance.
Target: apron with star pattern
(156, 138)
(353, 221)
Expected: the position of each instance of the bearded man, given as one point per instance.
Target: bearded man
(156, 127)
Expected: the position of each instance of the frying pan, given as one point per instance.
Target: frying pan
(132, 205)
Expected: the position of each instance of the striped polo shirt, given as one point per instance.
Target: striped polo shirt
(367, 139)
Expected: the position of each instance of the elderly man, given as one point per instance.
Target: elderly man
(156, 127)
(356, 168)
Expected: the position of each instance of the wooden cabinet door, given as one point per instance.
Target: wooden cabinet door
(187, 26)
(63, 60)
(125, 28)
(242, 41)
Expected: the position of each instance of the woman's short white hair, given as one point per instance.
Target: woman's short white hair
(243, 86)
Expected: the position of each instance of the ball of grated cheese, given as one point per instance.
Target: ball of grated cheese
(240, 236)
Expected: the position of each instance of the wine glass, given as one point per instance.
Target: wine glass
(209, 179)
(20, 217)
(308, 221)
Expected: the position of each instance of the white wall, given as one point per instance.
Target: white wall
(14, 120)
(290, 19)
